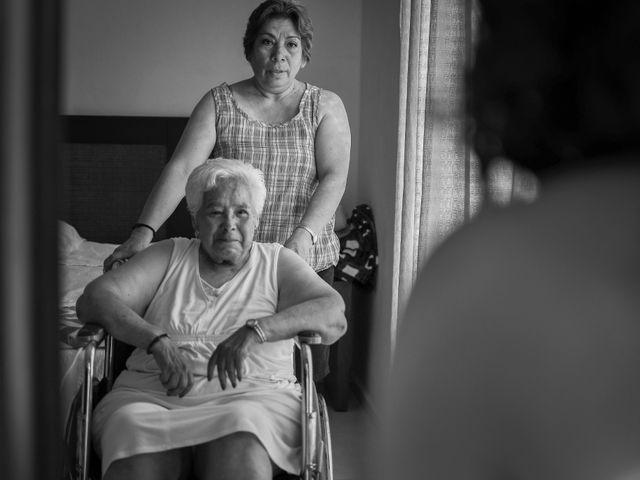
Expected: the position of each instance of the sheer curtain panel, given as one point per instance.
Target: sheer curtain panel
(438, 185)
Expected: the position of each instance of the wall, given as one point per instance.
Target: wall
(377, 173)
(158, 57)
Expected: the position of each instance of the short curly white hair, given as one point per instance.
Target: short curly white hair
(206, 176)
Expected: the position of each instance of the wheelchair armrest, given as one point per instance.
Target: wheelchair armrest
(309, 338)
(91, 332)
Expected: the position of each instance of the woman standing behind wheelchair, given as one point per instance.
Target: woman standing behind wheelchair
(210, 387)
(296, 133)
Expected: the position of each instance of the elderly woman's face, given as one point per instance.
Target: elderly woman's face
(277, 56)
(226, 222)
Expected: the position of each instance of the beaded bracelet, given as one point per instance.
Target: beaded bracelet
(155, 340)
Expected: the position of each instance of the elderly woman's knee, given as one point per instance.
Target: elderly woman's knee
(235, 443)
(169, 464)
(240, 451)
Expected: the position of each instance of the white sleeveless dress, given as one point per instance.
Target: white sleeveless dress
(138, 416)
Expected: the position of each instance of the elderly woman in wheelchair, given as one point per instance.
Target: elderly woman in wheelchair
(210, 389)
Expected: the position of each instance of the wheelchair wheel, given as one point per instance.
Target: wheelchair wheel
(326, 460)
(74, 432)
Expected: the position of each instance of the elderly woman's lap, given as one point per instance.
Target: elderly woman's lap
(270, 416)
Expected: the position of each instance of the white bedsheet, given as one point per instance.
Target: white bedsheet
(79, 262)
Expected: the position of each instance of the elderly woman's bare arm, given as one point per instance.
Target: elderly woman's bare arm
(306, 302)
(332, 150)
(118, 299)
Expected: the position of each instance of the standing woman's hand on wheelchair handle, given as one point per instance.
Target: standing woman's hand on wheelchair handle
(139, 239)
(175, 370)
(300, 242)
(229, 356)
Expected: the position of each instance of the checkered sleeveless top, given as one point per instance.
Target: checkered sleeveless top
(285, 152)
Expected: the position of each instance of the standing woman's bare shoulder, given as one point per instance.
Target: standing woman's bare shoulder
(332, 108)
(333, 137)
(204, 113)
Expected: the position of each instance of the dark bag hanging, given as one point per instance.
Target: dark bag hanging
(358, 248)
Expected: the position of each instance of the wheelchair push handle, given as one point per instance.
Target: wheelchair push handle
(309, 337)
(91, 332)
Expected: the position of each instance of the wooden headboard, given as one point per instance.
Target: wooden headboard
(109, 166)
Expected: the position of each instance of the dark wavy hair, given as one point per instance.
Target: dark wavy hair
(555, 81)
(271, 9)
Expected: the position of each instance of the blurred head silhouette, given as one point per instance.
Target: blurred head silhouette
(519, 352)
(556, 82)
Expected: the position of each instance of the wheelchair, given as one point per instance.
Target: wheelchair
(82, 463)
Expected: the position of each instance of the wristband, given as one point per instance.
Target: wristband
(155, 340)
(314, 237)
(255, 325)
(145, 226)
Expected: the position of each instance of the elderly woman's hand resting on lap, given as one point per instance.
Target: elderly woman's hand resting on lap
(176, 375)
(220, 305)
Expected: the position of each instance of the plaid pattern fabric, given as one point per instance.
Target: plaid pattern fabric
(286, 154)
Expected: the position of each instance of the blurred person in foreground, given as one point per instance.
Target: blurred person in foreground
(519, 355)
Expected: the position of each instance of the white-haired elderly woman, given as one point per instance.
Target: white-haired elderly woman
(210, 388)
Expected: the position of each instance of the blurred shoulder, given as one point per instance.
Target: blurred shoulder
(485, 242)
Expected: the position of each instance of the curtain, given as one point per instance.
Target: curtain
(30, 417)
(438, 184)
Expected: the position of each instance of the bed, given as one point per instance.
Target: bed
(108, 166)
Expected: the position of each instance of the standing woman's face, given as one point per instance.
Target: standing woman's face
(277, 57)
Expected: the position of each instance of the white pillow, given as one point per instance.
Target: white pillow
(68, 239)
